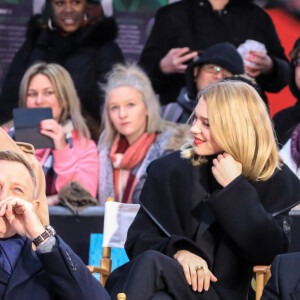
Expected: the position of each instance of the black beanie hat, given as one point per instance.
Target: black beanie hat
(223, 54)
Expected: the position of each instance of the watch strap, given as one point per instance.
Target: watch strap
(42, 237)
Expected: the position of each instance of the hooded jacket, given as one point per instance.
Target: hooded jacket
(287, 119)
(87, 54)
(194, 24)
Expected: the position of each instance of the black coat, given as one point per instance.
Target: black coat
(232, 228)
(285, 281)
(194, 24)
(286, 120)
(87, 54)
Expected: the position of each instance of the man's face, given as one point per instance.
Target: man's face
(15, 181)
(209, 73)
(297, 72)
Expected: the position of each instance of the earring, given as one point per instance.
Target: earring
(85, 18)
(50, 25)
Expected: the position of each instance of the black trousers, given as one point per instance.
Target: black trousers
(154, 276)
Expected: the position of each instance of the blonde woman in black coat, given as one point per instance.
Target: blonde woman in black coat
(215, 209)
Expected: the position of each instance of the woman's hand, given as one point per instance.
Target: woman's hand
(200, 278)
(173, 61)
(55, 131)
(261, 63)
(226, 169)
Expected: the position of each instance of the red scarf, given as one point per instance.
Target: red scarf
(125, 158)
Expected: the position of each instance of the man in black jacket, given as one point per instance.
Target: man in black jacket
(193, 25)
(284, 283)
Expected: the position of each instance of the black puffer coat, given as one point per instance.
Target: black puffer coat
(88, 54)
(194, 24)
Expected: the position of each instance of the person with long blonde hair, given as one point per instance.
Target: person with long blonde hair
(213, 210)
(74, 156)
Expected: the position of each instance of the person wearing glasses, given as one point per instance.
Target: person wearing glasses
(216, 63)
(287, 119)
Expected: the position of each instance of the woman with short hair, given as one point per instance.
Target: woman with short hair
(213, 210)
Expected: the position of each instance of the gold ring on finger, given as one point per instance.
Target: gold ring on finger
(199, 268)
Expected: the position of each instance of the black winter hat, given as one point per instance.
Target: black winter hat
(223, 54)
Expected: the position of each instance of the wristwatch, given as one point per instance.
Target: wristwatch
(48, 232)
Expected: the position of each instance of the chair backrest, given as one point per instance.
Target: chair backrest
(117, 219)
(263, 274)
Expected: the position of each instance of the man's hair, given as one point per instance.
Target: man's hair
(9, 155)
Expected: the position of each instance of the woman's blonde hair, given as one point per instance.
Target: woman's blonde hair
(130, 75)
(64, 90)
(241, 126)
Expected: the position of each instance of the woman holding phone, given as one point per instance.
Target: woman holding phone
(74, 156)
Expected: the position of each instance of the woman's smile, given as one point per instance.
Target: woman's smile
(198, 141)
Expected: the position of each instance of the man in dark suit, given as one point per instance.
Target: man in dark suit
(284, 283)
(35, 263)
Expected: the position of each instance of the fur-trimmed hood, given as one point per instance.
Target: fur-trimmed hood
(91, 35)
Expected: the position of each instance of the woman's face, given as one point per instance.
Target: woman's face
(40, 93)
(127, 112)
(68, 14)
(204, 143)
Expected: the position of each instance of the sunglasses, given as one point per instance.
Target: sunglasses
(214, 69)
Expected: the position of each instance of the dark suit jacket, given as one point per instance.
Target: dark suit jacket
(232, 228)
(285, 281)
(59, 274)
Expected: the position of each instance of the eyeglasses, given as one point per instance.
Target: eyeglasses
(296, 62)
(214, 69)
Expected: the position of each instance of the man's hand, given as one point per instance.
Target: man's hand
(226, 169)
(22, 217)
(173, 61)
(261, 63)
(199, 279)
(55, 131)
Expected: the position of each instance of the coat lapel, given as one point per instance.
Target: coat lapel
(27, 265)
(200, 193)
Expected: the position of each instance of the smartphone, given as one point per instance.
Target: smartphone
(27, 126)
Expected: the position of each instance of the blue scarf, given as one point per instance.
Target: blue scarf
(10, 250)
